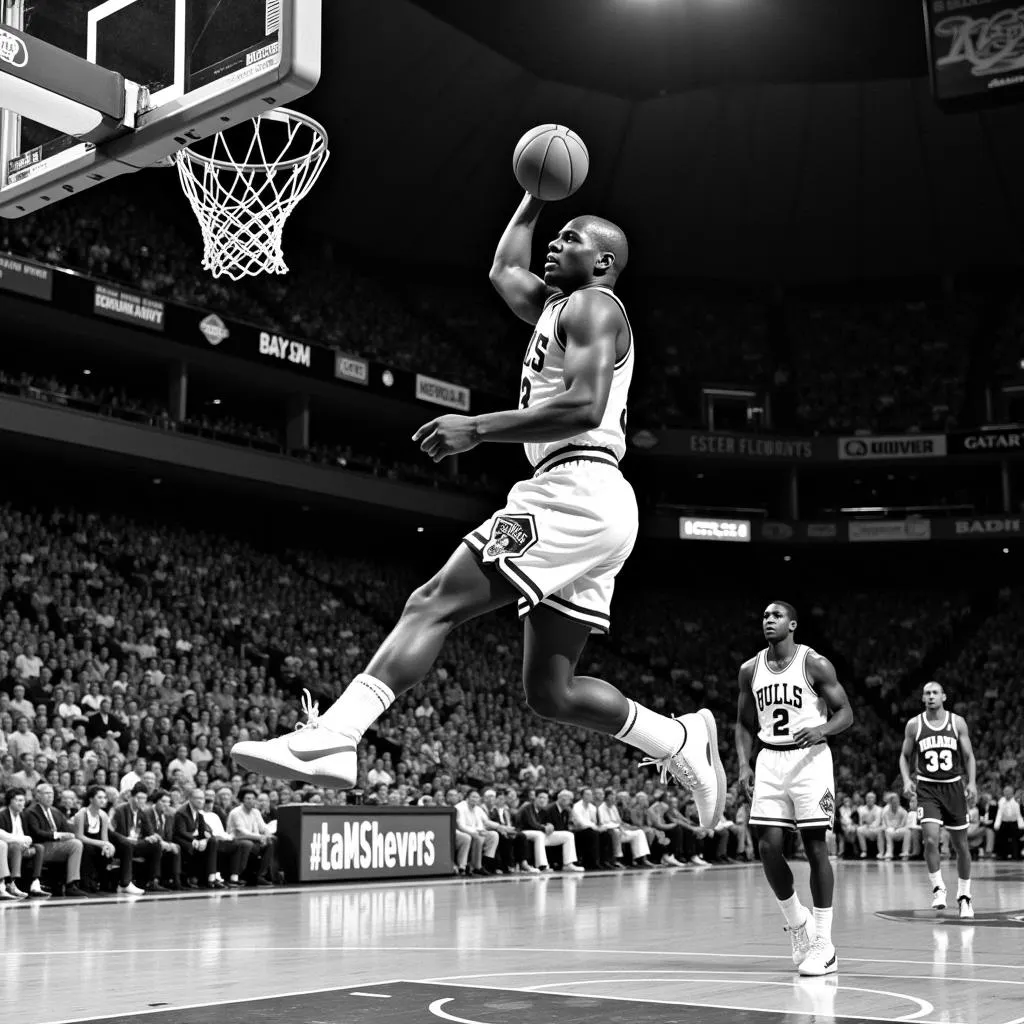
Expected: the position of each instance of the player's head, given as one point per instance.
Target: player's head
(933, 696)
(778, 621)
(587, 250)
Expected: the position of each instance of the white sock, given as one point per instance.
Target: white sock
(656, 735)
(935, 877)
(823, 923)
(795, 911)
(365, 699)
(963, 887)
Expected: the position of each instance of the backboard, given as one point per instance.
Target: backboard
(207, 64)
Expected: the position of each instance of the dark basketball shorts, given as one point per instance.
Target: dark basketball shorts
(943, 803)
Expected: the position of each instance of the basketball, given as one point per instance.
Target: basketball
(550, 162)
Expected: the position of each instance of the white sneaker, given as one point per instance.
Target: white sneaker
(530, 869)
(131, 889)
(5, 894)
(820, 960)
(313, 753)
(801, 937)
(573, 867)
(939, 897)
(698, 861)
(13, 889)
(698, 766)
(670, 861)
(966, 908)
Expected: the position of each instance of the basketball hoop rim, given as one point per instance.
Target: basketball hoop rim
(285, 116)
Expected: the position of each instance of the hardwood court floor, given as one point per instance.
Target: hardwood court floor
(659, 946)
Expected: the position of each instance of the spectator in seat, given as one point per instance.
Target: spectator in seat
(232, 854)
(19, 704)
(913, 843)
(92, 829)
(159, 810)
(894, 826)
(184, 764)
(23, 741)
(19, 844)
(245, 823)
(531, 820)
(846, 827)
(683, 847)
(49, 828)
(1008, 826)
(869, 825)
(102, 724)
(559, 815)
(594, 844)
(610, 821)
(989, 808)
(8, 890)
(133, 835)
(463, 838)
(636, 812)
(472, 819)
(697, 840)
(129, 779)
(198, 846)
(975, 828)
(511, 852)
(28, 777)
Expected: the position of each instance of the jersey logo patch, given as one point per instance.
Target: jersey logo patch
(511, 536)
(828, 803)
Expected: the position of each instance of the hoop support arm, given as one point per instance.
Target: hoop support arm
(68, 93)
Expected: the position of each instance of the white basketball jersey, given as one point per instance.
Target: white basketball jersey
(786, 701)
(544, 377)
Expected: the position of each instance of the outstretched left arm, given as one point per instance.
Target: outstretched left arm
(823, 675)
(971, 764)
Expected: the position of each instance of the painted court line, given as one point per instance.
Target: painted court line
(923, 1006)
(210, 1002)
(712, 1006)
(501, 950)
(370, 995)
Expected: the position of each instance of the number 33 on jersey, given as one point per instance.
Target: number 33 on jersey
(786, 700)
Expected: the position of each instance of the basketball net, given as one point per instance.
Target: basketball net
(243, 189)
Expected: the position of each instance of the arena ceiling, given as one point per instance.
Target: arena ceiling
(779, 140)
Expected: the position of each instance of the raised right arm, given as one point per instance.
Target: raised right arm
(524, 292)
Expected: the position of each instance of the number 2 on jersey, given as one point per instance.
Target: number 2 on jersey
(938, 761)
(781, 717)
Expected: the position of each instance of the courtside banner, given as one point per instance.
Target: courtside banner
(441, 392)
(997, 441)
(351, 368)
(896, 446)
(24, 277)
(132, 308)
(354, 843)
(890, 530)
(728, 447)
(978, 528)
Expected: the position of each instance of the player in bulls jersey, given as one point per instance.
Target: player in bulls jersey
(940, 744)
(554, 550)
(792, 702)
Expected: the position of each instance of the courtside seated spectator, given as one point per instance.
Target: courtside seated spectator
(245, 823)
(18, 844)
(92, 829)
(49, 829)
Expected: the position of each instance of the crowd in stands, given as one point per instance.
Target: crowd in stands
(834, 367)
(134, 655)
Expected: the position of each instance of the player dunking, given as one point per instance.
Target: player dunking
(556, 547)
(943, 749)
(790, 698)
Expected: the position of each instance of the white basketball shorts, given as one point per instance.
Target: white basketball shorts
(794, 788)
(562, 538)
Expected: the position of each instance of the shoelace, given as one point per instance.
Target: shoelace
(664, 766)
(311, 709)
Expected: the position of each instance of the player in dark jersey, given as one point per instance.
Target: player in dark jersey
(940, 744)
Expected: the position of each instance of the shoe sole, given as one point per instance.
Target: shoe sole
(815, 974)
(716, 763)
(275, 770)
